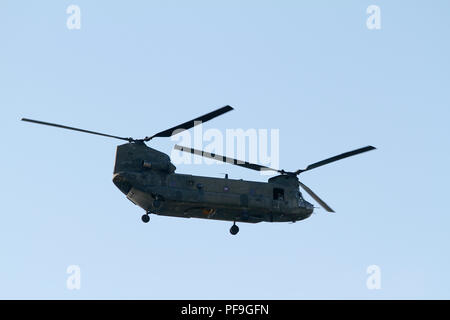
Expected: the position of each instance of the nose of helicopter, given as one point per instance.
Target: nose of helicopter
(122, 183)
(308, 206)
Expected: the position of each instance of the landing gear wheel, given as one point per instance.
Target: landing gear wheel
(145, 218)
(234, 229)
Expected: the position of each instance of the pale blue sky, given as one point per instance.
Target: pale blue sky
(314, 71)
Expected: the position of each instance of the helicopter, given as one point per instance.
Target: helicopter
(147, 178)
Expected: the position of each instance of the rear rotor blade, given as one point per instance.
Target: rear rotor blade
(192, 123)
(218, 157)
(336, 158)
(76, 129)
(316, 197)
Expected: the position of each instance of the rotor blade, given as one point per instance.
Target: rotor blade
(218, 157)
(316, 197)
(190, 124)
(75, 129)
(336, 158)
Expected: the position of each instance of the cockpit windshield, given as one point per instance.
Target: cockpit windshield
(301, 202)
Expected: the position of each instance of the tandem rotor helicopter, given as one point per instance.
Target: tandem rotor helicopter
(147, 177)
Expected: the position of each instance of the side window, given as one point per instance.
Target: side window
(278, 194)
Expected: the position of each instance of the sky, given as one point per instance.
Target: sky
(313, 70)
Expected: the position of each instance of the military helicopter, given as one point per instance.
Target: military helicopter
(148, 179)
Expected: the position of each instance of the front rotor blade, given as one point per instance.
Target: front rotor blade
(192, 123)
(316, 197)
(336, 158)
(218, 157)
(75, 129)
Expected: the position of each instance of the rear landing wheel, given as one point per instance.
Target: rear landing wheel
(145, 218)
(234, 229)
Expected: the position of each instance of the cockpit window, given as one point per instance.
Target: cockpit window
(301, 201)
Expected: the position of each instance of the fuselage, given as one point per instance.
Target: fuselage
(147, 177)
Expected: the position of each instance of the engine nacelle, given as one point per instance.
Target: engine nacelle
(138, 157)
